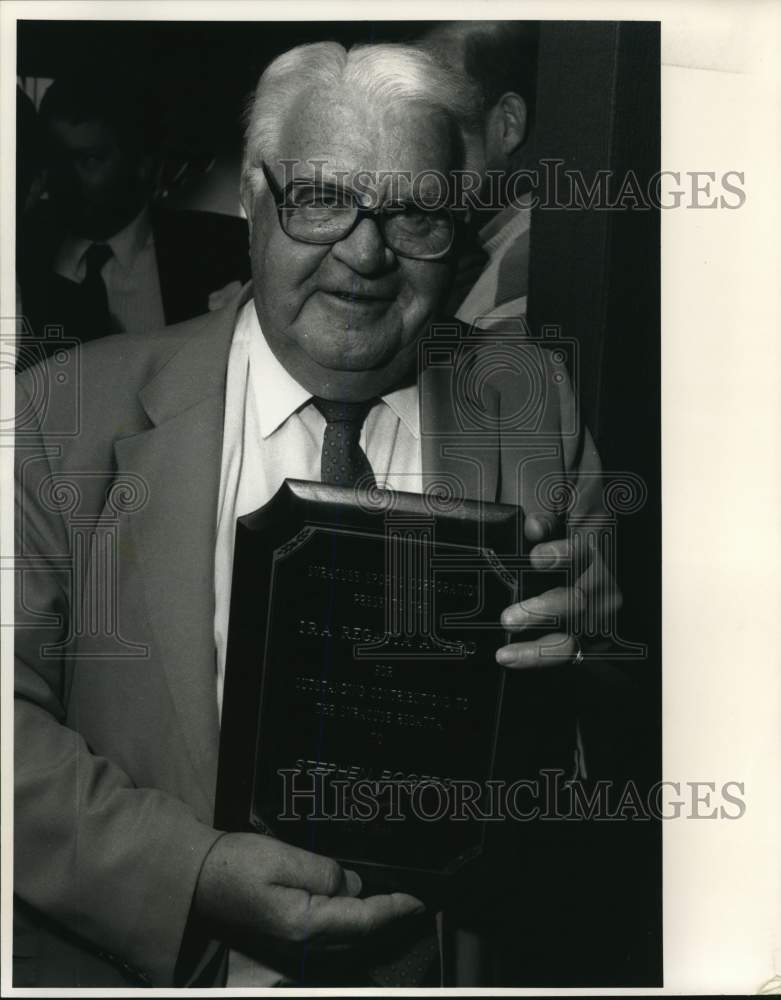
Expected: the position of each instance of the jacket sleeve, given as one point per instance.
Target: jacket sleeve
(114, 864)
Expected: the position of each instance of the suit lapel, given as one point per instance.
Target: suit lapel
(456, 450)
(181, 284)
(163, 259)
(179, 459)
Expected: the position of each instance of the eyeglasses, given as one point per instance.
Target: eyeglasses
(317, 213)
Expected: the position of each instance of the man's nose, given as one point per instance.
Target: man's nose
(364, 250)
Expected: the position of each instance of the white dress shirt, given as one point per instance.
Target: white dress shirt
(273, 432)
(131, 277)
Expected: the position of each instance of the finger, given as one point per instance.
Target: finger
(352, 883)
(318, 875)
(552, 650)
(343, 920)
(538, 526)
(574, 553)
(556, 554)
(555, 608)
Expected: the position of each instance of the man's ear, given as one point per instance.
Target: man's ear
(510, 120)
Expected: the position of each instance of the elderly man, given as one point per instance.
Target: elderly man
(119, 873)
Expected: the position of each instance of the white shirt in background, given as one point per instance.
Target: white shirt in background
(131, 277)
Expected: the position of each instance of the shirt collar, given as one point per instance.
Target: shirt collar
(282, 395)
(506, 226)
(126, 245)
(404, 403)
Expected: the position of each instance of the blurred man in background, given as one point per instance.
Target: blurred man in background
(98, 256)
(500, 59)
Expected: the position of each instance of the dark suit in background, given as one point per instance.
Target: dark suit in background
(197, 254)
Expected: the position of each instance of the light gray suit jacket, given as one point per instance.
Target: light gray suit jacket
(116, 727)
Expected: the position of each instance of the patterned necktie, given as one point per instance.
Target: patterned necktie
(343, 461)
(98, 317)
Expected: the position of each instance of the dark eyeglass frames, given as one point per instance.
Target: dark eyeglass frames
(314, 212)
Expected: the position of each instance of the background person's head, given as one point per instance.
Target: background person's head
(101, 147)
(345, 317)
(500, 58)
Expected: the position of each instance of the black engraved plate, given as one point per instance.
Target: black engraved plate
(362, 697)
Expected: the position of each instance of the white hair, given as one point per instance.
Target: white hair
(387, 74)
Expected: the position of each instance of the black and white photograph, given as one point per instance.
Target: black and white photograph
(338, 359)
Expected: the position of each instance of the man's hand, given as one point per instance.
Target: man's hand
(591, 598)
(254, 889)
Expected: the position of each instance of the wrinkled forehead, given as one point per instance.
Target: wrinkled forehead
(345, 137)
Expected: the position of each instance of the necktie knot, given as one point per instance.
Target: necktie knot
(95, 257)
(336, 412)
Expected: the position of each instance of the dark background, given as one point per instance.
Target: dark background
(202, 72)
(594, 274)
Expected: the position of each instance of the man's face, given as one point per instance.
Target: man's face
(96, 187)
(345, 318)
